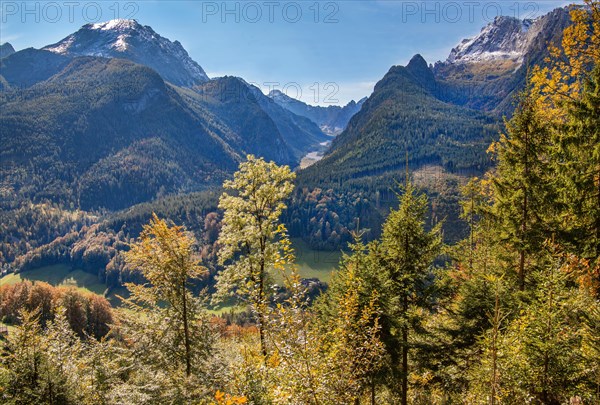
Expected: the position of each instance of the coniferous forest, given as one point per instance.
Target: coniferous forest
(506, 311)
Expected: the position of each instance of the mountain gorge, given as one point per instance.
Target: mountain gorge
(331, 119)
(115, 115)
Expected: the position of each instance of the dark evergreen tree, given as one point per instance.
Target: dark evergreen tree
(521, 186)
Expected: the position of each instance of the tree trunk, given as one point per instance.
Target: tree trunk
(524, 219)
(405, 356)
(597, 221)
(373, 392)
(261, 316)
(471, 224)
(496, 331)
(186, 333)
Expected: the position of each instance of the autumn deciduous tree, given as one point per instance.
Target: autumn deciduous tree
(560, 80)
(249, 239)
(87, 314)
(163, 319)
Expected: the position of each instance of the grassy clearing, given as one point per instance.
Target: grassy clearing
(63, 275)
(311, 264)
(59, 275)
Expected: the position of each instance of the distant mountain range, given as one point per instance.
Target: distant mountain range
(444, 113)
(331, 119)
(115, 114)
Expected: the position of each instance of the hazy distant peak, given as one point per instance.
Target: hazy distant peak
(6, 49)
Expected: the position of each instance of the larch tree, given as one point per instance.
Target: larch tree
(560, 79)
(249, 241)
(165, 321)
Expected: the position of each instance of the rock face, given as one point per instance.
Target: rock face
(127, 39)
(504, 38)
(332, 119)
(485, 71)
(508, 39)
(6, 49)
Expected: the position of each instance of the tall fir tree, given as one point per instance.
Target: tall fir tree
(405, 258)
(521, 186)
(577, 163)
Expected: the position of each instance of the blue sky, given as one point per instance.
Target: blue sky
(334, 51)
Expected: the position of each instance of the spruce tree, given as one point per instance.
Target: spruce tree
(521, 186)
(578, 166)
(405, 257)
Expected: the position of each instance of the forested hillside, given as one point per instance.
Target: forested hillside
(89, 125)
(440, 118)
(509, 314)
(400, 124)
(105, 133)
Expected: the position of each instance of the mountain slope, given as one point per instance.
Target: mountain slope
(357, 178)
(127, 39)
(402, 116)
(30, 66)
(106, 133)
(486, 71)
(251, 128)
(331, 119)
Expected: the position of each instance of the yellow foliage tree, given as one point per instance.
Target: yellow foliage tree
(561, 80)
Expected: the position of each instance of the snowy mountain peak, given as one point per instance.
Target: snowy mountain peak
(118, 24)
(127, 39)
(505, 38)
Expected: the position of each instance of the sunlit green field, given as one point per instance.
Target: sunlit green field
(311, 264)
(62, 275)
(59, 275)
